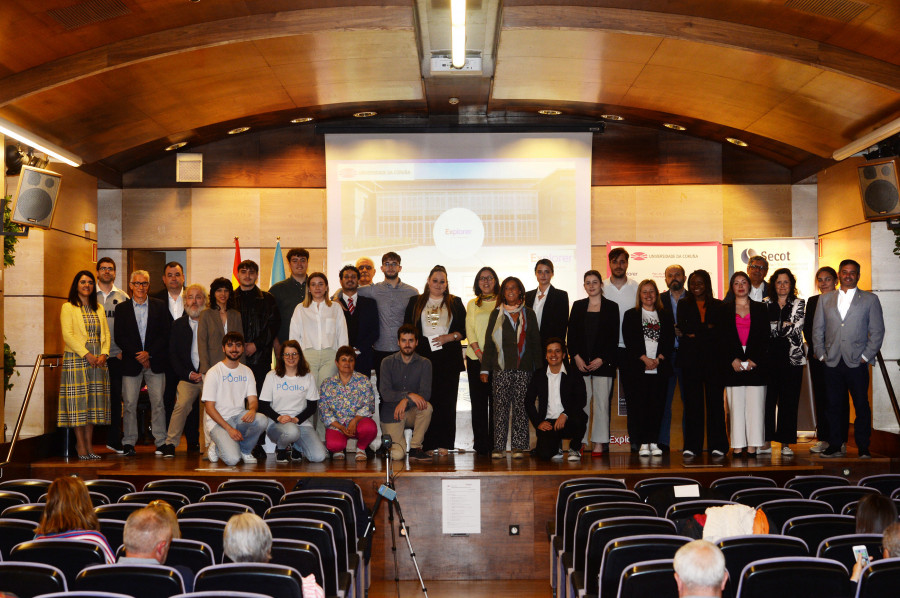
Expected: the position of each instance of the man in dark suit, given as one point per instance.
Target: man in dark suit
(361, 314)
(184, 361)
(550, 305)
(757, 269)
(675, 278)
(142, 332)
(847, 334)
(559, 412)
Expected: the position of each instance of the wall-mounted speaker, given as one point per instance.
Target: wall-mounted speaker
(879, 189)
(189, 168)
(36, 197)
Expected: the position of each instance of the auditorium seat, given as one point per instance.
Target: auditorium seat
(812, 529)
(302, 556)
(69, 556)
(27, 580)
(31, 511)
(112, 489)
(221, 594)
(271, 488)
(724, 488)
(118, 510)
(12, 532)
(740, 551)
(32, 488)
(793, 576)
(690, 508)
(807, 484)
(779, 511)
(266, 578)
(838, 496)
(175, 499)
(84, 594)
(97, 499)
(208, 531)
(141, 581)
(885, 483)
(221, 511)
(840, 548)
(257, 501)
(191, 554)
(622, 553)
(9, 498)
(194, 490)
(649, 579)
(114, 532)
(319, 534)
(753, 497)
(881, 578)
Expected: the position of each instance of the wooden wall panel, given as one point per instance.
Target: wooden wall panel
(612, 214)
(756, 211)
(298, 216)
(674, 213)
(156, 218)
(219, 215)
(65, 255)
(853, 242)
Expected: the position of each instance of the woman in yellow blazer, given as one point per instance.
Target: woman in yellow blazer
(84, 382)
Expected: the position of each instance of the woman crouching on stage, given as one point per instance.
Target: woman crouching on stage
(512, 351)
(346, 406)
(289, 398)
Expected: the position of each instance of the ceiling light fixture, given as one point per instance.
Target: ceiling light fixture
(867, 141)
(674, 127)
(364, 114)
(302, 119)
(176, 146)
(237, 130)
(736, 141)
(453, 101)
(458, 33)
(611, 117)
(548, 112)
(42, 145)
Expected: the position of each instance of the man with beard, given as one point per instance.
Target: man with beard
(405, 379)
(623, 291)
(675, 278)
(109, 295)
(233, 428)
(361, 314)
(172, 294)
(184, 360)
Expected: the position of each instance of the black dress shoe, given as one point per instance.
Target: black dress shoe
(128, 450)
(259, 452)
(193, 449)
(370, 454)
(864, 454)
(116, 447)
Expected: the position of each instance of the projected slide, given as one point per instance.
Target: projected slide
(463, 201)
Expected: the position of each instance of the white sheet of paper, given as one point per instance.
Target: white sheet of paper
(461, 506)
(687, 491)
(435, 346)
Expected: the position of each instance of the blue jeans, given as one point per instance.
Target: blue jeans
(303, 438)
(231, 451)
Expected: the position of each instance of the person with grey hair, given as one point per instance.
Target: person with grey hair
(890, 548)
(247, 539)
(700, 570)
(147, 538)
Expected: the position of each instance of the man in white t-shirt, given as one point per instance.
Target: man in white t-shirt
(233, 428)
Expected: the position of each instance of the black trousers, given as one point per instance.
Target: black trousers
(820, 399)
(645, 396)
(703, 402)
(480, 396)
(548, 441)
(840, 380)
(783, 397)
(114, 431)
(445, 374)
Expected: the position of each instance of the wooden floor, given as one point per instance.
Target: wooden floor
(455, 589)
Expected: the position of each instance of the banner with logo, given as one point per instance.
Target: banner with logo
(650, 260)
(795, 253)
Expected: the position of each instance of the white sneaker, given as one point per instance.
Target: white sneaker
(687, 454)
(819, 447)
(764, 450)
(718, 453)
(655, 450)
(574, 455)
(211, 453)
(559, 456)
(249, 459)
(786, 451)
(644, 451)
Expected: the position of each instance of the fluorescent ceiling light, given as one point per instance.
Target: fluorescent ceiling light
(458, 33)
(867, 141)
(42, 145)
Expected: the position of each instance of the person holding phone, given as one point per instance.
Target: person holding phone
(890, 547)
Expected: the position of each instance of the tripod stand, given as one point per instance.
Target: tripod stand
(388, 492)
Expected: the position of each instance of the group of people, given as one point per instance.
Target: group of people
(529, 358)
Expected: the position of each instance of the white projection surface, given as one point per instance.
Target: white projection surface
(461, 200)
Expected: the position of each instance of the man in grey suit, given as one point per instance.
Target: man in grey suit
(847, 333)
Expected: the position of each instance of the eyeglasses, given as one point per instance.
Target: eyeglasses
(757, 267)
(391, 264)
(486, 279)
(140, 284)
(291, 355)
(106, 269)
(366, 267)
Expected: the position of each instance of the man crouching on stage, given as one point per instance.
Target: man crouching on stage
(233, 429)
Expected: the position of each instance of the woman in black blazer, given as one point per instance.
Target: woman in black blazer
(593, 339)
(702, 391)
(649, 334)
(743, 347)
(440, 320)
(826, 280)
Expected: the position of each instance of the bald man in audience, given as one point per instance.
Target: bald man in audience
(700, 570)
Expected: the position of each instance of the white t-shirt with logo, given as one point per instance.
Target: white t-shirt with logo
(227, 388)
(289, 394)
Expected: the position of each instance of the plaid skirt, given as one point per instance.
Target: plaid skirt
(83, 392)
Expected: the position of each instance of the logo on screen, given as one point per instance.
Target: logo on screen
(639, 255)
(747, 254)
(458, 232)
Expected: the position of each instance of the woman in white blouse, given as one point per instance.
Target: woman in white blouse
(318, 324)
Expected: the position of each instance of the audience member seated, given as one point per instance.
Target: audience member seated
(700, 570)
(890, 546)
(148, 536)
(874, 514)
(70, 515)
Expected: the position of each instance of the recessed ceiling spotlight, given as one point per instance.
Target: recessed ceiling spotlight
(453, 101)
(176, 146)
(302, 119)
(364, 114)
(736, 141)
(548, 112)
(674, 127)
(611, 117)
(237, 130)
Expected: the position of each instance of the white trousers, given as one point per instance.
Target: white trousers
(598, 388)
(747, 411)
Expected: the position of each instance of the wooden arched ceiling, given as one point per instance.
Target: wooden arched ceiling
(115, 81)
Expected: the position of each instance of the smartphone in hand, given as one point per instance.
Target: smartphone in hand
(861, 555)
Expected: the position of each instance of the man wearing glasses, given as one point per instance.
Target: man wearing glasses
(366, 269)
(757, 268)
(109, 296)
(142, 333)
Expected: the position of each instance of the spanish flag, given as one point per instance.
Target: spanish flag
(237, 260)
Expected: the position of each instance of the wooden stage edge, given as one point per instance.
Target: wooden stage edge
(513, 493)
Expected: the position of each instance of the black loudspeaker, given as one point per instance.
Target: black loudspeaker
(879, 189)
(36, 197)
